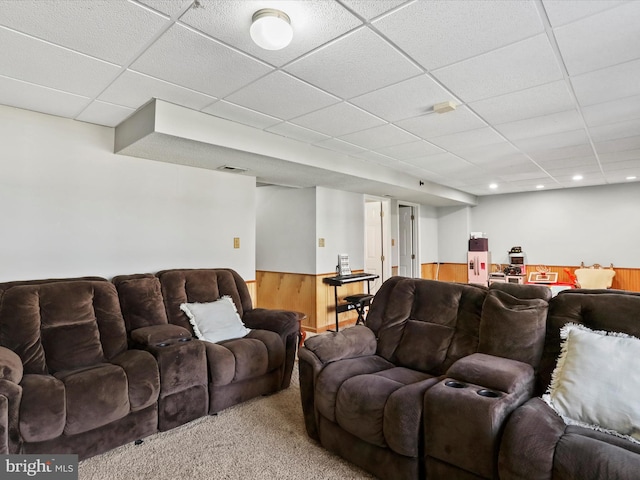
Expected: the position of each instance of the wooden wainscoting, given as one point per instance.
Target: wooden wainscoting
(625, 279)
(251, 285)
(305, 293)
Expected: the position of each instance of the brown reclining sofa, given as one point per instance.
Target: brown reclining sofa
(87, 365)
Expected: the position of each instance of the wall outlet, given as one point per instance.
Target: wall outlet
(236, 242)
(321, 242)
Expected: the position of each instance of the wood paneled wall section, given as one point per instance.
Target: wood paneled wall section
(308, 294)
(625, 279)
(305, 293)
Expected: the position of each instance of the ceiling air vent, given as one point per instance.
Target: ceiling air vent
(231, 169)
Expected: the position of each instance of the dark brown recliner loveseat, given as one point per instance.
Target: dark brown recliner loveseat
(423, 388)
(68, 383)
(537, 443)
(217, 375)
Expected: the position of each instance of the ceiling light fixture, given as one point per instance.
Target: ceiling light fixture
(539, 187)
(577, 177)
(493, 186)
(444, 107)
(271, 29)
(631, 177)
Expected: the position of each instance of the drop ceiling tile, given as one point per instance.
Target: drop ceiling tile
(608, 84)
(521, 65)
(381, 160)
(339, 146)
(167, 7)
(369, 9)
(296, 132)
(565, 11)
(188, 59)
(442, 164)
(556, 140)
(379, 137)
(108, 30)
(410, 150)
(614, 131)
(437, 33)
(27, 96)
(314, 24)
(613, 157)
(559, 153)
(339, 119)
(490, 154)
(106, 114)
(470, 138)
(437, 124)
(532, 102)
(133, 89)
(612, 112)
(625, 166)
(618, 145)
(540, 126)
(406, 99)
(600, 40)
(281, 95)
(45, 64)
(569, 162)
(621, 176)
(240, 114)
(355, 64)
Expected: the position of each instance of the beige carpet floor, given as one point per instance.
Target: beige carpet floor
(263, 438)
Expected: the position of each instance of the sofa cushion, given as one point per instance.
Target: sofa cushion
(385, 408)
(596, 381)
(95, 396)
(215, 321)
(141, 300)
(512, 327)
(42, 409)
(62, 325)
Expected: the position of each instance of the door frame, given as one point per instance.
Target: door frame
(385, 223)
(416, 265)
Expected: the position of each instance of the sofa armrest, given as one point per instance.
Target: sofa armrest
(10, 366)
(283, 322)
(358, 341)
(529, 442)
(496, 373)
(160, 335)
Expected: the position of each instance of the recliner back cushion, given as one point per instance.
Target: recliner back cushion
(426, 324)
(609, 310)
(62, 325)
(140, 300)
(201, 286)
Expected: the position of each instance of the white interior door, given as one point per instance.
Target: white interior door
(406, 244)
(374, 254)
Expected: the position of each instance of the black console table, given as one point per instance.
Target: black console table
(340, 280)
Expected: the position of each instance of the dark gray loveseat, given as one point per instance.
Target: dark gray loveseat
(424, 387)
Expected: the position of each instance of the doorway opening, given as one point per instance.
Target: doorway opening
(408, 244)
(377, 241)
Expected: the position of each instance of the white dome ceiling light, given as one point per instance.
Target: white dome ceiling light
(271, 29)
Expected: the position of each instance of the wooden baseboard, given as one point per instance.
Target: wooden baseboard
(625, 279)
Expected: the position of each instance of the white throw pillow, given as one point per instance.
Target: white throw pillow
(596, 381)
(215, 321)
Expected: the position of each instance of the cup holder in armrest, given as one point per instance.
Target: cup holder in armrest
(454, 384)
(163, 344)
(185, 339)
(488, 393)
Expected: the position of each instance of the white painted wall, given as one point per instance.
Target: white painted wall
(70, 207)
(453, 234)
(429, 228)
(564, 227)
(340, 221)
(286, 229)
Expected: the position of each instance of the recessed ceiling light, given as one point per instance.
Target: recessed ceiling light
(271, 29)
(493, 186)
(631, 177)
(539, 187)
(577, 177)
